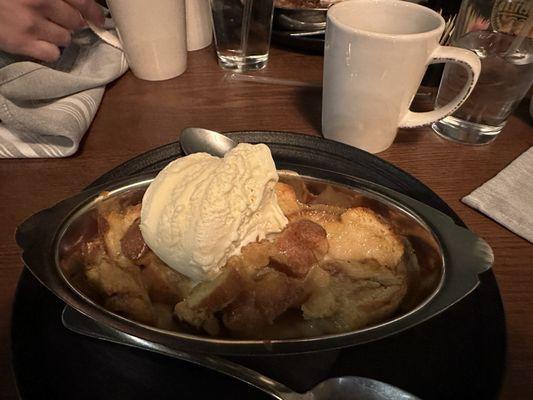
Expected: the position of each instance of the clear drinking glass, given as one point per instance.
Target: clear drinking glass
(242, 33)
(500, 32)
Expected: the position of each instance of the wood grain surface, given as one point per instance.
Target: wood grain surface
(136, 116)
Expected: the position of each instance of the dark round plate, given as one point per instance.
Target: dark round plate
(459, 354)
(306, 44)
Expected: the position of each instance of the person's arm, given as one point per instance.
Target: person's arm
(37, 28)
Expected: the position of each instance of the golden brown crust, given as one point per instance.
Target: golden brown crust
(116, 224)
(122, 289)
(358, 234)
(299, 246)
(266, 296)
(132, 244)
(348, 304)
(287, 200)
(331, 197)
(164, 285)
(209, 297)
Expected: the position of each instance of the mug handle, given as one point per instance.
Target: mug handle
(105, 35)
(444, 54)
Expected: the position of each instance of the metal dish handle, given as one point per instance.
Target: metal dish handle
(460, 244)
(35, 236)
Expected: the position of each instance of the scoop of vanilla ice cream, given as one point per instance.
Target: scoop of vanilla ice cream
(201, 209)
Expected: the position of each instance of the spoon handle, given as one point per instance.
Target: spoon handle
(79, 323)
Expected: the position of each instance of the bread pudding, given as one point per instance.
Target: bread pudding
(337, 266)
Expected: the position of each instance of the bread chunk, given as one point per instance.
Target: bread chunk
(114, 224)
(207, 298)
(356, 295)
(164, 285)
(298, 247)
(287, 200)
(132, 244)
(358, 234)
(122, 289)
(266, 296)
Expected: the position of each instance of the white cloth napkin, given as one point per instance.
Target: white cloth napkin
(45, 109)
(508, 197)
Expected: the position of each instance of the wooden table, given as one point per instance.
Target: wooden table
(136, 116)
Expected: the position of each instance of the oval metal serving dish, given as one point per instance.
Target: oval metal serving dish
(451, 257)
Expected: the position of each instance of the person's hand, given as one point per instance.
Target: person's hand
(37, 28)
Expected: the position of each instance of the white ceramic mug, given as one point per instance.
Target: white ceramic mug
(376, 53)
(152, 35)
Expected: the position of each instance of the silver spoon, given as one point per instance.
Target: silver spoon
(340, 388)
(200, 140)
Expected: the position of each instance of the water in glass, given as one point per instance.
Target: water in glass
(504, 81)
(242, 32)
